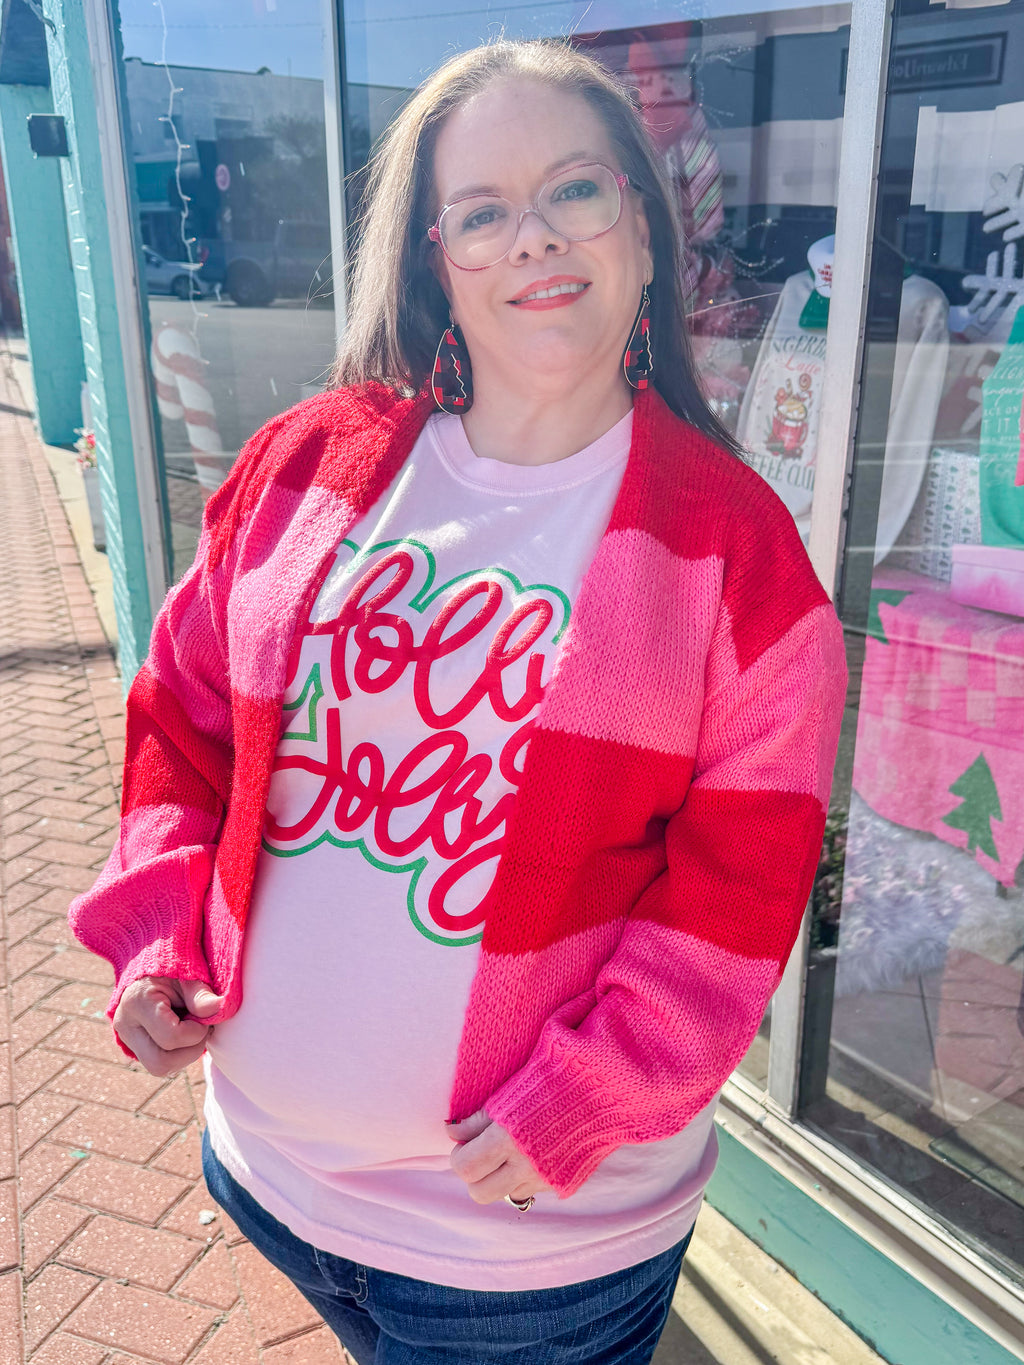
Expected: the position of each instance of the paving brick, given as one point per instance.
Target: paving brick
(29, 990)
(24, 956)
(74, 831)
(10, 1241)
(212, 1279)
(232, 1344)
(23, 923)
(53, 759)
(78, 965)
(120, 1250)
(121, 1086)
(63, 851)
(30, 1029)
(76, 998)
(50, 1297)
(319, 1347)
(130, 1137)
(25, 893)
(48, 1227)
(11, 1342)
(5, 1074)
(36, 1068)
(86, 1038)
(60, 874)
(173, 1103)
(37, 1116)
(41, 1170)
(120, 1187)
(61, 808)
(276, 1307)
(60, 1349)
(62, 737)
(183, 1156)
(55, 901)
(55, 931)
(66, 790)
(16, 821)
(184, 1217)
(17, 844)
(141, 1321)
(8, 1166)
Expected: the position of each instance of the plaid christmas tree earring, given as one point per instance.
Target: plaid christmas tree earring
(638, 357)
(452, 380)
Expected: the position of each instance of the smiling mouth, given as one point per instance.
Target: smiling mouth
(551, 293)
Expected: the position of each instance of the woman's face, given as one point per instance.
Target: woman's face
(509, 140)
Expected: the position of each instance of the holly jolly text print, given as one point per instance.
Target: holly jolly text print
(407, 713)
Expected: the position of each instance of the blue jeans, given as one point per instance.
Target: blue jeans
(387, 1319)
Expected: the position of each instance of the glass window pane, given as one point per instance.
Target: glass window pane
(226, 133)
(919, 921)
(746, 106)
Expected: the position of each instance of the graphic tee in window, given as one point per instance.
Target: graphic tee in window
(413, 685)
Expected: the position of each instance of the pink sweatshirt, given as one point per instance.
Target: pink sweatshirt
(369, 910)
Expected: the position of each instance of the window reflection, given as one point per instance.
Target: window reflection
(919, 924)
(227, 137)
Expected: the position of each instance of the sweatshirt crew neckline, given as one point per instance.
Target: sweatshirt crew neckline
(451, 443)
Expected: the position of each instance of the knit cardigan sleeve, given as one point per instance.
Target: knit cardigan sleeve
(676, 1006)
(144, 913)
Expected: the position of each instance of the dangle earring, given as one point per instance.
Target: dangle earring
(452, 380)
(638, 357)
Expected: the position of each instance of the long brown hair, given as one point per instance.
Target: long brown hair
(397, 308)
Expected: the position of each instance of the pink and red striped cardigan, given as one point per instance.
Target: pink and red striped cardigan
(670, 813)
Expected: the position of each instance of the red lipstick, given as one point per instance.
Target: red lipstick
(559, 300)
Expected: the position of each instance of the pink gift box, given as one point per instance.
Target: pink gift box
(989, 577)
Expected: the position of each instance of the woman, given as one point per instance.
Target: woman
(501, 738)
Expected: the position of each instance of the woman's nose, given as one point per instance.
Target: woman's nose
(535, 238)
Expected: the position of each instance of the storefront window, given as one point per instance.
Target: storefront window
(226, 134)
(746, 107)
(919, 924)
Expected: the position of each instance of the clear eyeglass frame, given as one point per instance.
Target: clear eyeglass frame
(436, 231)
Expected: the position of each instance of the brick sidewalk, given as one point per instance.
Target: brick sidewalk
(104, 1258)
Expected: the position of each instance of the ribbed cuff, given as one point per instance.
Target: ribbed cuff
(559, 1115)
(147, 920)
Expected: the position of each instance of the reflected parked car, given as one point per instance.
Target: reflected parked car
(180, 278)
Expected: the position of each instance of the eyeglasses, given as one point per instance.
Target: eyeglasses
(579, 203)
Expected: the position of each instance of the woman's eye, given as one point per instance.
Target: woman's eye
(574, 189)
(481, 218)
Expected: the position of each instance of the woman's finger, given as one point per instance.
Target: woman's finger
(484, 1154)
(199, 999)
(493, 1186)
(465, 1130)
(156, 1060)
(155, 1014)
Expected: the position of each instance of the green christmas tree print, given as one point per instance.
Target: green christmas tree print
(978, 808)
(891, 597)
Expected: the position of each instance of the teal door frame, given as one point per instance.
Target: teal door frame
(103, 236)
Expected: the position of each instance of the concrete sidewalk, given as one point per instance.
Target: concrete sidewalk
(111, 1251)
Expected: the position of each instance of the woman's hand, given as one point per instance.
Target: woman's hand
(147, 1021)
(490, 1162)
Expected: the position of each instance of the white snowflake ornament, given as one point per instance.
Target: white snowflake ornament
(1004, 208)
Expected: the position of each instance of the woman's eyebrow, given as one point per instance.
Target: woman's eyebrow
(573, 159)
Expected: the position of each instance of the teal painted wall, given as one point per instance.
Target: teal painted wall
(88, 233)
(45, 280)
(903, 1320)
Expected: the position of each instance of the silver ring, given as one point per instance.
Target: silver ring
(523, 1205)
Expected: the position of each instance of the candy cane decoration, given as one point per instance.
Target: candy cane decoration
(181, 393)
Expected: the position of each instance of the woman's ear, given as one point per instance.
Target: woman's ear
(643, 230)
(439, 265)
